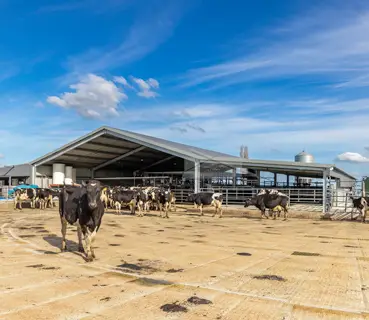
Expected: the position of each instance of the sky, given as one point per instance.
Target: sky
(277, 76)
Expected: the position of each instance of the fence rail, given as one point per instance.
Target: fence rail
(238, 195)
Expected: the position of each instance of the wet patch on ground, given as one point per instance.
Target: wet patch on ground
(307, 254)
(173, 307)
(47, 252)
(197, 300)
(161, 230)
(28, 236)
(244, 254)
(152, 282)
(174, 270)
(41, 266)
(119, 235)
(349, 246)
(106, 299)
(142, 266)
(198, 241)
(269, 277)
(114, 245)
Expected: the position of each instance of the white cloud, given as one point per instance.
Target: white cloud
(146, 87)
(315, 46)
(352, 157)
(2, 156)
(94, 97)
(122, 81)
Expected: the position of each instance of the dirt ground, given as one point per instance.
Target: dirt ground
(238, 267)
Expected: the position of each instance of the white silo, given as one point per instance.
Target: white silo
(304, 157)
(58, 173)
(74, 175)
(69, 172)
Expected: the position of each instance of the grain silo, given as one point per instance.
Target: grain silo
(304, 157)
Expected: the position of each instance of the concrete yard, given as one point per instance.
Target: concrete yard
(248, 268)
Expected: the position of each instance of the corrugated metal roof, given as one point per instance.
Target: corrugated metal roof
(186, 152)
(21, 170)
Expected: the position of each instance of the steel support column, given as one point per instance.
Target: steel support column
(197, 176)
(33, 174)
(324, 191)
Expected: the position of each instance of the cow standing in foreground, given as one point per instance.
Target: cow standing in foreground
(269, 199)
(82, 205)
(360, 204)
(202, 199)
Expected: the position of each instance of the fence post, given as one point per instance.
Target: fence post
(226, 197)
(346, 202)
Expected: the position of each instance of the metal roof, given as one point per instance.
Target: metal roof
(21, 170)
(109, 145)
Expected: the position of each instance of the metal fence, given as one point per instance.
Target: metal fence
(238, 195)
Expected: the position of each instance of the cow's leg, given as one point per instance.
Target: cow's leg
(167, 208)
(220, 210)
(20, 204)
(195, 205)
(64, 233)
(79, 234)
(363, 214)
(132, 206)
(215, 204)
(201, 209)
(88, 237)
(15, 203)
(285, 212)
(161, 209)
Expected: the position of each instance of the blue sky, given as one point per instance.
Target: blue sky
(277, 76)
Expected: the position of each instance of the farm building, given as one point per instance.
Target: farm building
(126, 158)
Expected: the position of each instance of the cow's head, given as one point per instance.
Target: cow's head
(191, 197)
(249, 202)
(93, 192)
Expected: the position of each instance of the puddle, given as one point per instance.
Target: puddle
(213, 276)
(114, 244)
(152, 282)
(270, 277)
(160, 230)
(105, 299)
(187, 226)
(47, 252)
(173, 307)
(35, 266)
(119, 235)
(197, 300)
(244, 254)
(28, 236)
(130, 266)
(174, 270)
(309, 254)
(51, 268)
(348, 246)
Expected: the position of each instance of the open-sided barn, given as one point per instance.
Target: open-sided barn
(121, 157)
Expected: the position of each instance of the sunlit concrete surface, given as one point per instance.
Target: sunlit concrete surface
(248, 268)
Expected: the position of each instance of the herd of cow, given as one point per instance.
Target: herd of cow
(84, 205)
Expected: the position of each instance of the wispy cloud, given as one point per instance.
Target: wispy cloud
(154, 24)
(337, 52)
(146, 88)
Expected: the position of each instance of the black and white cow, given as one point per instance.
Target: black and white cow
(125, 197)
(202, 199)
(360, 204)
(269, 199)
(164, 197)
(82, 205)
(44, 197)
